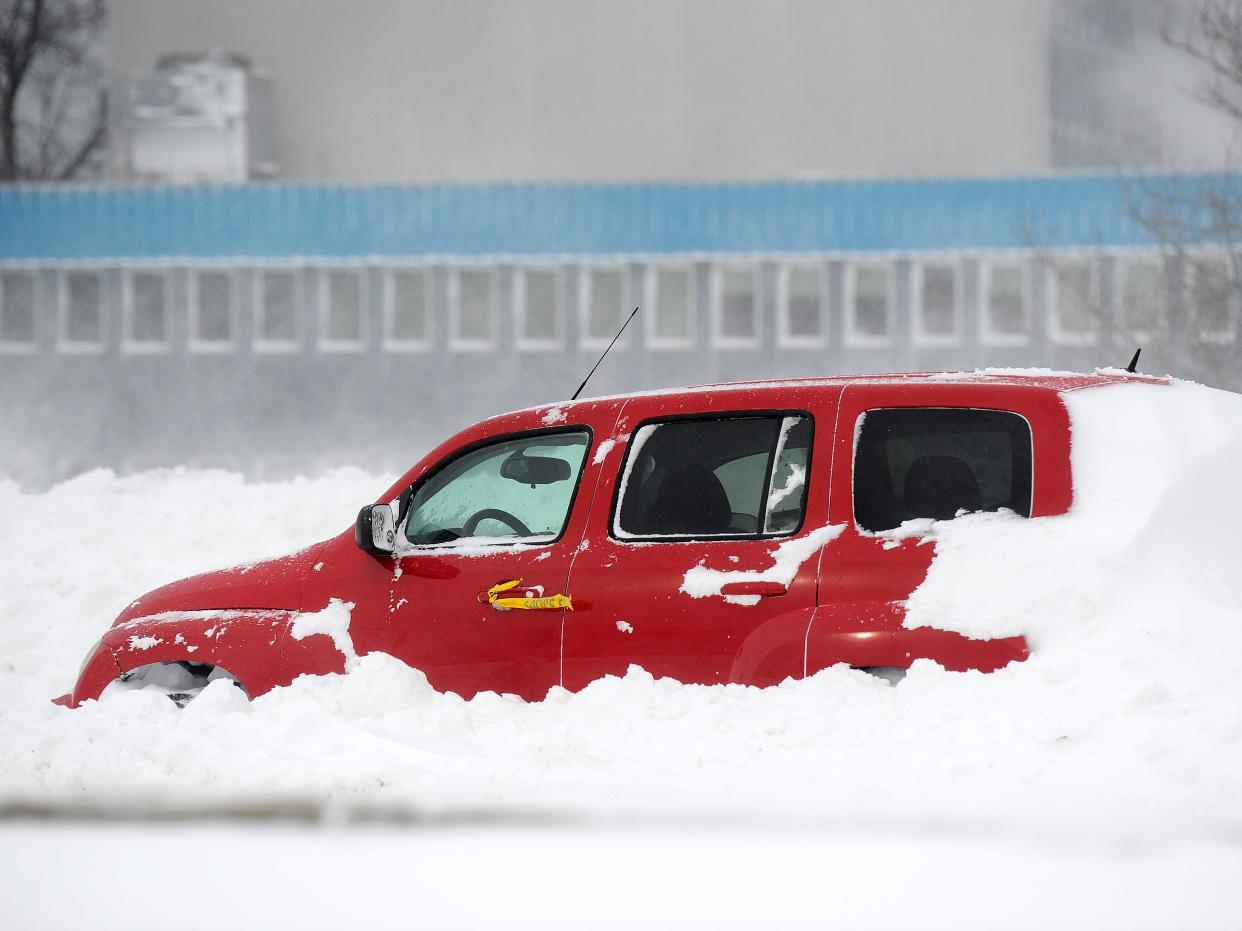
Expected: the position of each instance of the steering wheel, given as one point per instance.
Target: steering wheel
(473, 521)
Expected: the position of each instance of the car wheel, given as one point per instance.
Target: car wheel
(181, 682)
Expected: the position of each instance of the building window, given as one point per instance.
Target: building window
(537, 307)
(146, 310)
(939, 314)
(472, 308)
(406, 315)
(18, 331)
(1075, 302)
(870, 305)
(81, 311)
(604, 305)
(801, 305)
(342, 315)
(212, 324)
(1006, 313)
(670, 325)
(1143, 293)
(737, 306)
(278, 310)
(1213, 298)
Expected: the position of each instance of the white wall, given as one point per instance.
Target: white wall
(439, 90)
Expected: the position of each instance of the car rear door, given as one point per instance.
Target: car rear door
(908, 452)
(700, 559)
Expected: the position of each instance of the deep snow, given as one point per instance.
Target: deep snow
(1110, 761)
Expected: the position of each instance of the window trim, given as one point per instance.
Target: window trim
(988, 336)
(63, 343)
(918, 333)
(585, 292)
(1056, 333)
(858, 427)
(651, 291)
(854, 338)
(22, 347)
(326, 344)
(389, 302)
(128, 343)
(259, 315)
(405, 547)
(193, 343)
(521, 341)
(719, 339)
(1123, 266)
(456, 342)
(784, 338)
(1194, 261)
(614, 513)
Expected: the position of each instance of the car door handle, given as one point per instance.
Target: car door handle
(496, 598)
(762, 589)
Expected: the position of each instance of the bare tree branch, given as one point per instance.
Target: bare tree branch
(53, 117)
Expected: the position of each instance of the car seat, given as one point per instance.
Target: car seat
(940, 486)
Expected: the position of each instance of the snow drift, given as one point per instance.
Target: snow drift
(1127, 716)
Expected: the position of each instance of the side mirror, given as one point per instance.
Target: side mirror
(535, 470)
(376, 529)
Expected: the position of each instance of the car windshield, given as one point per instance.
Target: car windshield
(517, 490)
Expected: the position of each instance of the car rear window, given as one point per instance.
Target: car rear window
(731, 476)
(912, 463)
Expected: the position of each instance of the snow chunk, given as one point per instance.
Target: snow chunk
(554, 415)
(797, 475)
(144, 643)
(625, 627)
(604, 449)
(701, 582)
(332, 621)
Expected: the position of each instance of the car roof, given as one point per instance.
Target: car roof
(1045, 379)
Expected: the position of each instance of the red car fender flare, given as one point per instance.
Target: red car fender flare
(245, 642)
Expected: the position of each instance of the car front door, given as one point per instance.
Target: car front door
(701, 559)
(489, 514)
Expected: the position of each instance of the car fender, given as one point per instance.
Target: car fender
(246, 642)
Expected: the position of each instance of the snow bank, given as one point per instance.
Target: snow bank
(1125, 723)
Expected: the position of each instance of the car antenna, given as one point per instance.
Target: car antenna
(1132, 368)
(601, 358)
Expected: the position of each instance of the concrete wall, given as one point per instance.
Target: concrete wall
(466, 90)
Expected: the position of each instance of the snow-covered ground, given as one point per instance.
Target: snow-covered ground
(1099, 784)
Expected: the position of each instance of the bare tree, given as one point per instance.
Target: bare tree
(53, 108)
(1195, 225)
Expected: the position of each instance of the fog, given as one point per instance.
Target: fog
(103, 305)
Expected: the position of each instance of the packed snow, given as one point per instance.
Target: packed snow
(1097, 784)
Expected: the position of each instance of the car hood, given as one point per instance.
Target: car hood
(273, 584)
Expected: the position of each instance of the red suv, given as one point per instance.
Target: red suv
(726, 533)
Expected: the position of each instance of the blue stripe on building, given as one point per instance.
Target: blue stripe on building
(332, 221)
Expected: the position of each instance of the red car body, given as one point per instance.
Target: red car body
(843, 601)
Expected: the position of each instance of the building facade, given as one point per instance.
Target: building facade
(278, 327)
(428, 91)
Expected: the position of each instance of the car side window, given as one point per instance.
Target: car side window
(920, 462)
(518, 490)
(728, 476)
